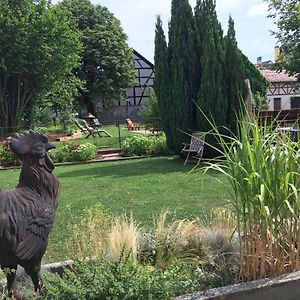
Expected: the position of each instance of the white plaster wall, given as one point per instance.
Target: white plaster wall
(285, 101)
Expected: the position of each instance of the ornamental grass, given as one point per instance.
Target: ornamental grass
(263, 169)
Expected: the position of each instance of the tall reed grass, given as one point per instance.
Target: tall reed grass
(263, 169)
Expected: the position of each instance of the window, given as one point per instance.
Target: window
(277, 103)
(295, 102)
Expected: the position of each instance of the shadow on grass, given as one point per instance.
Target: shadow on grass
(128, 168)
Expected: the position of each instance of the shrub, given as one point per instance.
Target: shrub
(8, 158)
(72, 151)
(150, 110)
(180, 251)
(121, 280)
(145, 145)
(55, 129)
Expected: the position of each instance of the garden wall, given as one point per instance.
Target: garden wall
(284, 287)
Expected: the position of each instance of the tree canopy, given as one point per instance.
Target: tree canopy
(287, 16)
(199, 70)
(107, 65)
(38, 51)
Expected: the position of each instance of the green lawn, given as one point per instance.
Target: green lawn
(105, 141)
(144, 187)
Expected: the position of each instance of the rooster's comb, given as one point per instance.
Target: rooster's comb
(23, 143)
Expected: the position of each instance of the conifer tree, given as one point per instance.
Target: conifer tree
(234, 82)
(161, 75)
(181, 59)
(209, 36)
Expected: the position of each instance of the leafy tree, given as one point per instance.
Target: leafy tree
(258, 82)
(259, 101)
(287, 14)
(181, 61)
(107, 65)
(38, 50)
(235, 88)
(161, 75)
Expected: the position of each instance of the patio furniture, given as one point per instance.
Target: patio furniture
(195, 148)
(90, 131)
(290, 131)
(133, 126)
(95, 123)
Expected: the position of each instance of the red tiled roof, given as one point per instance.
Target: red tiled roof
(276, 76)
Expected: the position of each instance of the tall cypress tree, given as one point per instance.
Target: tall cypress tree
(181, 61)
(209, 35)
(161, 75)
(234, 82)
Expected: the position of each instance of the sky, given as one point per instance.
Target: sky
(252, 26)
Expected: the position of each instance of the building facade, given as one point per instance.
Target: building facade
(283, 92)
(134, 97)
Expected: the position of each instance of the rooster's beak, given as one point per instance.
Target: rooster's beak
(49, 146)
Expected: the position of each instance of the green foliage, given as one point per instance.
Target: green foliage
(258, 82)
(210, 93)
(181, 61)
(235, 87)
(121, 280)
(260, 102)
(72, 151)
(107, 66)
(161, 76)
(87, 238)
(38, 50)
(7, 158)
(150, 110)
(287, 15)
(199, 68)
(264, 173)
(145, 145)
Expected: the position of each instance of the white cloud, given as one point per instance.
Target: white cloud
(260, 9)
(138, 19)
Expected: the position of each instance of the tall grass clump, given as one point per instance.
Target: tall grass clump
(88, 238)
(122, 240)
(264, 173)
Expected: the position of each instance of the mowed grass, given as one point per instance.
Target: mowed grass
(143, 187)
(104, 141)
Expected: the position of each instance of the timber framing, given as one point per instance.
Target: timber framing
(144, 69)
(282, 88)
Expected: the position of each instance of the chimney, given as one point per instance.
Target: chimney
(259, 60)
(277, 53)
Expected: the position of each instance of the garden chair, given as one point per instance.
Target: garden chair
(96, 123)
(133, 126)
(195, 148)
(90, 131)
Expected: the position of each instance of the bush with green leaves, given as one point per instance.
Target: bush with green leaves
(150, 110)
(7, 158)
(145, 145)
(126, 279)
(72, 151)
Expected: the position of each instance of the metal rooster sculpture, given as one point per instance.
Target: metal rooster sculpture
(27, 212)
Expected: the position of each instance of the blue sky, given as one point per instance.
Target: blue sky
(252, 27)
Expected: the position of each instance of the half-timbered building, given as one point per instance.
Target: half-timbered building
(283, 92)
(134, 97)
